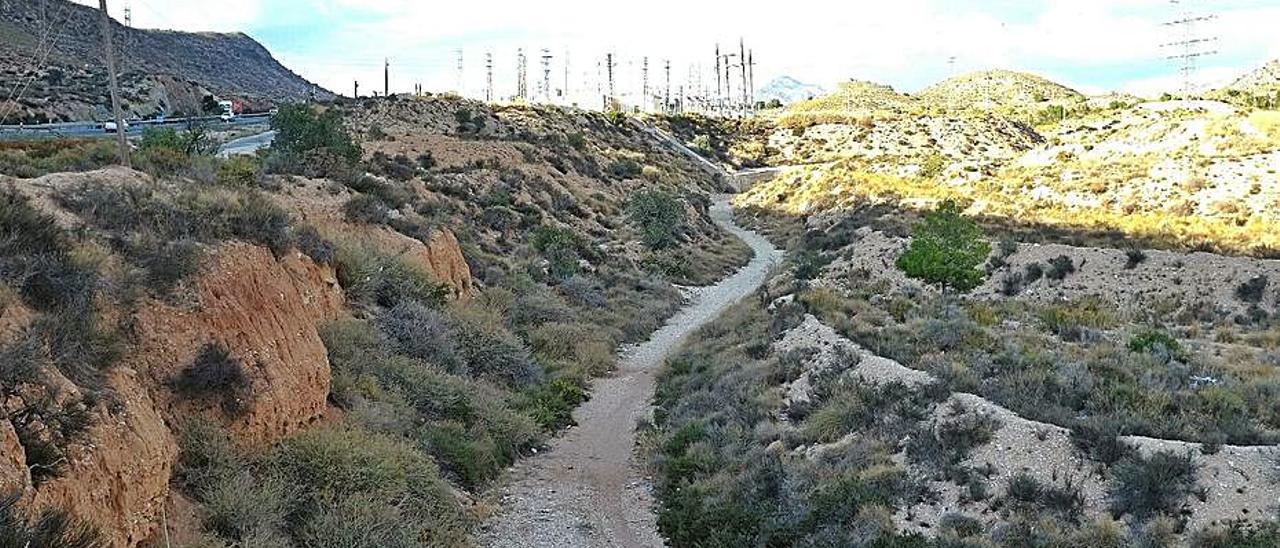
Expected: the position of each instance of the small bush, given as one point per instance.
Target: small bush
(312, 244)
(1133, 258)
(1033, 272)
(1147, 486)
(366, 209)
(561, 247)
(240, 171)
(1158, 343)
(311, 142)
(946, 249)
(420, 332)
(1060, 267)
(1099, 438)
(1065, 502)
(660, 217)
(373, 278)
(1253, 290)
(169, 263)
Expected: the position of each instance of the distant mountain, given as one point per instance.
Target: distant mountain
(856, 97)
(161, 72)
(788, 90)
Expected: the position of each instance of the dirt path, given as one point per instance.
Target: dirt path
(588, 490)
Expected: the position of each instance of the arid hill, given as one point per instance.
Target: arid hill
(162, 72)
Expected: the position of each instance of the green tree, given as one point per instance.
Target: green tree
(659, 215)
(301, 131)
(946, 249)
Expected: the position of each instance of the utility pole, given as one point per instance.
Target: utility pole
(522, 75)
(128, 15)
(109, 52)
(488, 77)
(355, 93)
(386, 77)
(742, 60)
(719, 93)
(751, 81)
(568, 97)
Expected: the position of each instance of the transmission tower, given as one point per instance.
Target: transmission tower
(568, 97)
(128, 15)
(488, 77)
(460, 78)
(1190, 45)
(546, 75)
(609, 65)
(751, 81)
(719, 86)
(666, 94)
(522, 75)
(644, 85)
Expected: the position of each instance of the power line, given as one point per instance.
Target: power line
(1190, 45)
(51, 36)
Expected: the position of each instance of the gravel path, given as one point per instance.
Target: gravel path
(589, 490)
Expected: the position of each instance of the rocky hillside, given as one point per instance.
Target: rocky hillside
(857, 97)
(1266, 79)
(162, 72)
(997, 89)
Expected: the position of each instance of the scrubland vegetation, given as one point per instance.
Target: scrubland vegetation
(435, 395)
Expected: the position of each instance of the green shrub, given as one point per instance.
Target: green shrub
(29, 159)
(1065, 502)
(1252, 291)
(241, 507)
(326, 465)
(312, 244)
(206, 455)
(240, 171)
(421, 333)
(1060, 267)
(373, 278)
(1133, 258)
(1159, 343)
(946, 249)
(1147, 486)
(366, 209)
(492, 352)
(561, 247)
(660, 216)
(312, 139)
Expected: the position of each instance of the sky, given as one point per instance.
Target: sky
(1092, 45)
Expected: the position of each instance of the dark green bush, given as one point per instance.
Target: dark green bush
(374, 278)
(1147, 486)
(421, 333)
(367, 209)
(561, 247)
(1060, 267)
(1252, 291)
(1159, 343)
(946, 249)
(660, 216)
(1065, 502)
(312, 244)
(1134, 257)
(313, 142)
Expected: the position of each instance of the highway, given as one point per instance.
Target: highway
(135, 127)
(246, 145)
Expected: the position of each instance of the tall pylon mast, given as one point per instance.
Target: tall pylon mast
(1190, 46)
(546, 75)
(488, 77)
(522, 75)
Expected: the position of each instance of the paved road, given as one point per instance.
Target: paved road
(246, 145)
(136, 127)
(589, 489)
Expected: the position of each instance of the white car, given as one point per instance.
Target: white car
(110, 127)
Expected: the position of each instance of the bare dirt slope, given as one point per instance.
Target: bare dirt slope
(589, 490)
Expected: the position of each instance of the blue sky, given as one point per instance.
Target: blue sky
(1094, 45)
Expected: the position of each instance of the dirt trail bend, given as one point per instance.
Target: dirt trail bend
(588, 490)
